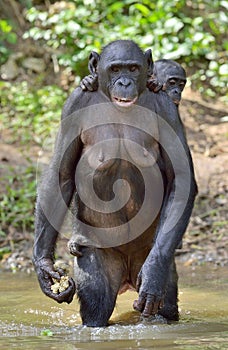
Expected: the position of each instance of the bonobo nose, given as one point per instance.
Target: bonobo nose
(124, 82)
(176, 91)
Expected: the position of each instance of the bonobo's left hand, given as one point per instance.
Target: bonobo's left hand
(45, 272)
(151, 290)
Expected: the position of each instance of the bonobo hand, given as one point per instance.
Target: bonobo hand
(151, 294)
(154, 85)
(45, 272)
(90, 83)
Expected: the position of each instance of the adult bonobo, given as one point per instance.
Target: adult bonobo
(167, 75)
(126, 169)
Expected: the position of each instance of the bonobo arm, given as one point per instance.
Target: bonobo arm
(180, 193)
(54, 197)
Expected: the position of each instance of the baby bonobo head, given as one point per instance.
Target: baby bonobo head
(170, 76)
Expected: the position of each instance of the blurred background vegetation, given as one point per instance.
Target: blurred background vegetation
(44, 49)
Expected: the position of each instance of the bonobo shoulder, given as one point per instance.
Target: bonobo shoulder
(170, 114)
(160, 103)
(72, 103)
(80, 99)
(166, 108)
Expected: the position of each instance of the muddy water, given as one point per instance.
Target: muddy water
(25, 313)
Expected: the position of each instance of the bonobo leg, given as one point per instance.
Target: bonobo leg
(98, 274)
(170, 308)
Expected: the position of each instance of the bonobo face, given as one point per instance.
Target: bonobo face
(174, 86)
(172, 77)
(122, 72)
(123, 77)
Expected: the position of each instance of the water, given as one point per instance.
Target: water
(26, 315)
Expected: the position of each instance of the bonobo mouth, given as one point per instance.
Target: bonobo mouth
(124, 102)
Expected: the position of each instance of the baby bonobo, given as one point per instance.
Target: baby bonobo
(122, 165)
(168, 76)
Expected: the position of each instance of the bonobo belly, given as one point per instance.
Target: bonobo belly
(114, 196)
(114, 192)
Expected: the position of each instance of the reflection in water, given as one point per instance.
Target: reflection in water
(25, 312)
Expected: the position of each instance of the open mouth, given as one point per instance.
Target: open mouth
(124, 102)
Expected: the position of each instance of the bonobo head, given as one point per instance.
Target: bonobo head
(122, 70)
(172, 77)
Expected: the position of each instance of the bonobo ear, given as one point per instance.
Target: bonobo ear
(149, 58)
(93, 62)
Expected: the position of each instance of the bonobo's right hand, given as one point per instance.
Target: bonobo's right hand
(45, 272)
(153, 84)
(89, 83)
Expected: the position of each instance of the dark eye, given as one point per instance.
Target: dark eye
(133, 68)
(172, 82)
(115, 69)
(182, 85)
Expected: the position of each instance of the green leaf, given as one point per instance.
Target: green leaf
(46, 333)
(143, 9)
(173, 25)
(4, 26)
(12, 38)
(223, 69)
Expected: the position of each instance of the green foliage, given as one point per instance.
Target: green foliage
(193, 32)
(46, 333)
(6, 36)
(17, 201)
(4, 250)
(30, 113)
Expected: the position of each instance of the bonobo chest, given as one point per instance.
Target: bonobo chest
(105, 145)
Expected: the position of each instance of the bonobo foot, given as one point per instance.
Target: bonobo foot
(74, 248)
